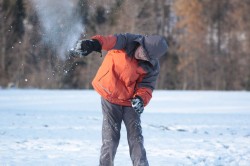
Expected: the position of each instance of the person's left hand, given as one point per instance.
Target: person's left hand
(137, 104)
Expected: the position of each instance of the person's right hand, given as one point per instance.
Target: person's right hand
(87, 46)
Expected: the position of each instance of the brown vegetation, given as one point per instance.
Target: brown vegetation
(209, 43)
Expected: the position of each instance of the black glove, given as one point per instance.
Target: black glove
(137, 104)
(85, 47)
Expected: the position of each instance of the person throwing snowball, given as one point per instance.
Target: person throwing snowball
(125, 81)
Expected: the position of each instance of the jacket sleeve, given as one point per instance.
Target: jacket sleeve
(118, 41)
(107, 42)
(146, 84)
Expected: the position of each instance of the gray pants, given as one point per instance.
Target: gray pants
(112, 118)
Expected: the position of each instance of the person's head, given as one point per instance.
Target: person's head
(151, 48)
(141, 54)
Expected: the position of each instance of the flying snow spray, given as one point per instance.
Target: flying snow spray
(60, 22)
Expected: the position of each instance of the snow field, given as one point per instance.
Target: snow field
(180, 128)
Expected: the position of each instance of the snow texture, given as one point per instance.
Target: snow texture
(61, 24)
(180, 128)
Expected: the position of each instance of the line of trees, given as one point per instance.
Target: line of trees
(208, 39)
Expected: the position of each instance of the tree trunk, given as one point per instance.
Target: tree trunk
(3, 39)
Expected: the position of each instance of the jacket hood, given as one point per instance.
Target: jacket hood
(154, 45)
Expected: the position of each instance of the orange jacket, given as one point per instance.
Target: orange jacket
(122, 77)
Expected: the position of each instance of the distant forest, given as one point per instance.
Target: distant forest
(209, 42)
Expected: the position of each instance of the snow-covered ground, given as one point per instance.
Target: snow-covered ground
(63, 127)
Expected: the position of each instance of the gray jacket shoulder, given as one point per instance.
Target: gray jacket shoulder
(127, 41)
